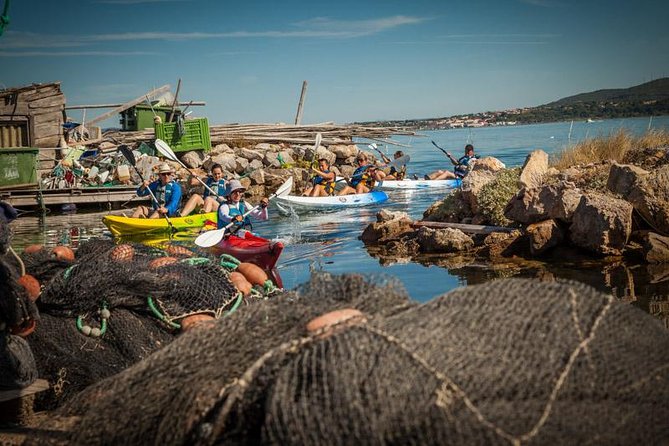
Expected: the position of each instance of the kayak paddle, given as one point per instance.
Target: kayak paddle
(448, 154)
(374, 147)
(210, 238)
(168, 153)
(317, 144)
(127, 153)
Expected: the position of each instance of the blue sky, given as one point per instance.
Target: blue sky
(364, 60)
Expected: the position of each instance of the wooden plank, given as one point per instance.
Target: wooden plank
(19, 109)
(38, 386)
(55, 197)
(129, 104)
(298, 116)
(81, 107)
(468, 229)
(49, 101)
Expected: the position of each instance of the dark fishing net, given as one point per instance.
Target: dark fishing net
(510, 361)
(43, 265)
(146, 297)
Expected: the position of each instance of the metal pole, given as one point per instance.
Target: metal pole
(298, 117)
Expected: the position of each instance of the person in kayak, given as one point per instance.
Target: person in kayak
(235, 208)
(207, 202)
(363, 178)
(167, 192)
(323, 182)
(393, 173)
(461, 169)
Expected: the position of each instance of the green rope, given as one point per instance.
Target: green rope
(236, 305)
(68, 271)
(196, 261)
(160, 315)
(94, 332)
(229, 258)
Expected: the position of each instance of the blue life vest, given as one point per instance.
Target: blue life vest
(328, 185)
(216, 186)
(360, 175)
(244, 224)
(462, 169)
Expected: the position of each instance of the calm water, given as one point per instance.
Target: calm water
(329, 241)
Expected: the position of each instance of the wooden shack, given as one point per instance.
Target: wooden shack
(32, 116)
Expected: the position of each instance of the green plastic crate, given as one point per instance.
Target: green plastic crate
(196, 137)
(18, 166)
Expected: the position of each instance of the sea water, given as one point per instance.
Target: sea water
(329, 241)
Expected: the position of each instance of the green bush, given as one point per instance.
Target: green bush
(494, 196)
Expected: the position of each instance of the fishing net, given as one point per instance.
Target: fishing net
(510, 361)
(117, 304)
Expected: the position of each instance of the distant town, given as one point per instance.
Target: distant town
(649, 99)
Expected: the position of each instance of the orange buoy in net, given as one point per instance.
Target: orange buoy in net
(162, 261)
(31, 285)
(178, 251)
(240, 282)
(122, 253)
(193, 320)
(24, 329)
(253, 273)
(328, 320)
(63, 253)
(32, 249)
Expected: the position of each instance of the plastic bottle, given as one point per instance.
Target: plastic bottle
(123, 173)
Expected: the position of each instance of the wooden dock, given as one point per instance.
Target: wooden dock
(81, 196)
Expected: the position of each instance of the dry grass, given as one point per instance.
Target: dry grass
(613, 147)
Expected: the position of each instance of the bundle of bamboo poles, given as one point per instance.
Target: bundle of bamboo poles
(281, 133)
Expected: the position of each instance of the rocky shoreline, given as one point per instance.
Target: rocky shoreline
(605, 210)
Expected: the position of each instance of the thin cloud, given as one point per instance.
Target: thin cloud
(543, 3)
(74, 53)
(315, 28)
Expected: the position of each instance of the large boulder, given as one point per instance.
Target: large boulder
(250, 154)
(544, 235)
(601, 224)
(343, 151)
(287, 156)
(272, 159)
(220, 148)
(263, 147)
(489, 163)
(257, 176)
(472, 185)
(531, 205)
(228, 162)
(255, 164)
(388, 225)
(623, 177)
(193, 159)
(443, 240)
(241, 165)
(650, 198)
(534, 169)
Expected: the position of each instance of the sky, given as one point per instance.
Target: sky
(363, 60)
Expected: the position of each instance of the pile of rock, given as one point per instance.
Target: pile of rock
(605, 209)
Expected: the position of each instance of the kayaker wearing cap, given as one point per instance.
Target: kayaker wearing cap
(234, 208)
(207, 202)
(167, 192)
(364, 177)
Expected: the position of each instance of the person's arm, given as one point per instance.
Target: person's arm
(260, 213)
(224, 215)
(175, 199)
(453, 160)
(143, 189)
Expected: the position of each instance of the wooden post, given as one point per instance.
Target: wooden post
(174, 103)
(298, 117)
(129, 104)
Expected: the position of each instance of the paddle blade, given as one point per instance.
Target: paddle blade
(401, 161)
(165, 150)
(284, 189)
(210, 238)
(127, 153)
(318, 140)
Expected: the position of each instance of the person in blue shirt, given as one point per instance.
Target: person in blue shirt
(461, 169)
(234, 208)
(207, 202)
(167, 192)
(323, 182)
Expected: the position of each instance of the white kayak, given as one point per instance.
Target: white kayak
(331, 202)
(420, 184)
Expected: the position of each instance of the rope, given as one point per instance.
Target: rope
(94, 332)
(156, 312)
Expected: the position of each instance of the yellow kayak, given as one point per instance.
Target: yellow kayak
(123, 226)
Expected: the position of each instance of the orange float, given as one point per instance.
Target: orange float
(31, 285)
(63, 253)
(162, 261)
(32, 249)
(122, 253)
(24, 329)
(178, 251)
(327, 320)
(253, 273)
(240, 282)
(193, 320)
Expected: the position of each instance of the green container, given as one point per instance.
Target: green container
(18, 167)
(140, 116)
(196, 136)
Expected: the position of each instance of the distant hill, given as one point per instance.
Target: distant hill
(656, 90)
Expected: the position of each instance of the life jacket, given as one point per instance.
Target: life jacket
(214, 185)
(462, 169)
(329, 186)
(244, 224)
(163, 193)
(362, 174)
(398, 174)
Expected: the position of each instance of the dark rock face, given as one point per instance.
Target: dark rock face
(443, 240)
(650, 198)
(544, 236)
(532, 205)
(655, 247)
